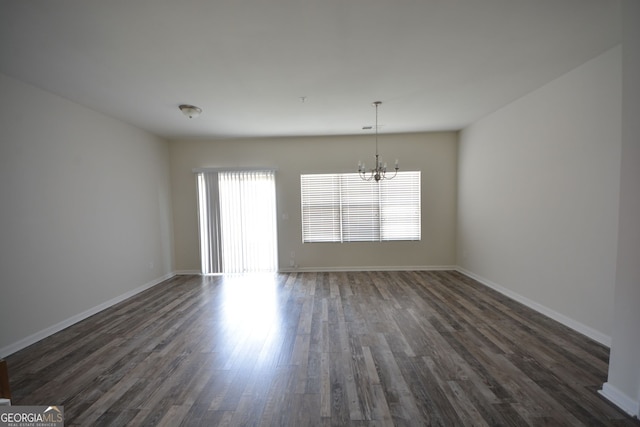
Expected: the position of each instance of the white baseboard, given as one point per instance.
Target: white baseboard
(339, 269)
(621, 400)
(31, 339)
(558, 317)
(370, 268)
(187, 273)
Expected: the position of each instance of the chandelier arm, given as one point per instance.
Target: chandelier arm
(394, 175)
(363, 176)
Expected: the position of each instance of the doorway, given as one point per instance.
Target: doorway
(237, 221)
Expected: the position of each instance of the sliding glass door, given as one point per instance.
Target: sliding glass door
(237, 221)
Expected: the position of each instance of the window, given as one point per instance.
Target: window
(344, 208)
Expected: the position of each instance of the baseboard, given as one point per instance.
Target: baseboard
(339, 269)
(187, 273)
(620, 399)
(32, 339)
(558, 317)
(369, 268)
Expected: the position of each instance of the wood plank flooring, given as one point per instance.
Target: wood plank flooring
(302, 349)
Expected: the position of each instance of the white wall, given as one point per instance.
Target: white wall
(538, 196)
(435, 154)
(84, 216)
(623, 385)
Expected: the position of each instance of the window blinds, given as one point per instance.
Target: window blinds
(237, 221)
(344, 208)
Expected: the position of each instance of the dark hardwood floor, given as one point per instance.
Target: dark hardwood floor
(299, 349)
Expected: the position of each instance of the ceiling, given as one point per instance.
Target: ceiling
(434, 64)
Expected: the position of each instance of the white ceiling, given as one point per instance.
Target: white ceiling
(435, 64)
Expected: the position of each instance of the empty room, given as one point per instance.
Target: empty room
(346, 213)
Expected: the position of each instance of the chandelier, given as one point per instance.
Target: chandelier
(380, 171)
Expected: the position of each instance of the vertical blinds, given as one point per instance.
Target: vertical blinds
(237, 221)
(209, 223)
(344, 208)
(248, 225)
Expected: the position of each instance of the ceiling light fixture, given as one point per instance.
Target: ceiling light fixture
(190, 111)
(380, 171)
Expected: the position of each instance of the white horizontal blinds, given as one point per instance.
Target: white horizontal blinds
(344, 208)
(209, 223)
(248, 221)
(360, 209)
(320, 194)
(400, 207)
